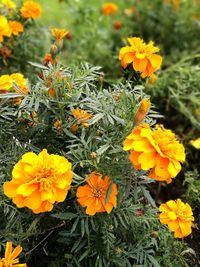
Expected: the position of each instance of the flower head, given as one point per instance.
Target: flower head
(93, 194)
(142, 56)
(30, 9)
(59, 34)
(195, 143)
(178, 216)
(9, 4)
(82, 117)
(109, 9)
(4, 28)
(158, 151)
(38, 181)
(16, 27)
(10, 258)
(19, 79)
(5, 82)
(142, 111)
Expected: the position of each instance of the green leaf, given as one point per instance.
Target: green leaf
(108, 193)
(64, 215)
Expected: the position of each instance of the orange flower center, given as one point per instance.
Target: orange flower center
(6, 263)
(45, 177)
(97, 191)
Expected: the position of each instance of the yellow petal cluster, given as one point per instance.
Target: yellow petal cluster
(6, 82)
(59, 34)
(16, 27)
(195, 143)
(30, 9)
(178, 216)
(4, 28)
(158, 151)
(82, 117)
(10, 259)
(9, 4)
(142, 56)
(38, 181)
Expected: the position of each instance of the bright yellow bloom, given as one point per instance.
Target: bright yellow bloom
(5, 82)
(178, 216)
(93, 194)
(9, 4)
(10, 259)
(16, 27)
(109, 9)
(19, 79)
(59, 34)
(4, 28)
(142, 111)
(195, 143)
(30, 9)
(38, 181)
(158, 151)
(82, 117)
(142, 56)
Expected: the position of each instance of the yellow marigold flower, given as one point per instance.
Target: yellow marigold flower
(30, 9)
(142, 111)
(9, 4)
(93, 194)
(19, 79)
(158, 151)
(5, 82)
(10, 259)
(178, 216)
(38, 181)
(16, 27)
(59, 34)
(142, 56)
(109, 9)
(82, 117)
(4, 28)
(195, 143)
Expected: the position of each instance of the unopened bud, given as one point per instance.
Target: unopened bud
(142, 111)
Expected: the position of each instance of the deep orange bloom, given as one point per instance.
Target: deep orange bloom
(109, 9)
(16, 27)
(30, 9)
(10, 259)
(38, 181)
(158, 151)
(178, 216)
(142, 111)
(93, 194)
(142, 56)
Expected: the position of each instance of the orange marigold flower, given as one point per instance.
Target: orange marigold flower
(4, 28)
(142, 111)
(30, 9)
(16, 27)
(81, 116)
(38, 181)
(9, 4)
(59, 34)
(158, 151)
(93, 194)
(109, 9)
(195, 143)
(142, 56)
(19, 79)
(178, 216)
(10, 259)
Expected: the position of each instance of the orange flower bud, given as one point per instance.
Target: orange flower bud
(117, 25)
(52, 92)
(142, 111)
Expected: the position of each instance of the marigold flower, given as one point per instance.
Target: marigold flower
(158, 151)
(4, 28)
(38, 181)
(5, 82)
(142, 111)
(5, 52)
(142, 56)
(93, 194)
(195, 143)
(82, 117)
(19, 79)
(16, 27)
(178, 216)
(9, 4)
(30, 9)
(10, 259)
(152, 79)
(109, 9)
(59, 34)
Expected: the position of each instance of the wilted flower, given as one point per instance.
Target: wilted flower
(109, 9)
(4, 28)
(10, 259)
(38, 181)
(142, 56)
(196, 143)
(142, 111)
(158, 151)
(93, 194)
(5, 52)
(30, 9)
(178, 216)
(16, 27)
(9, 4)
